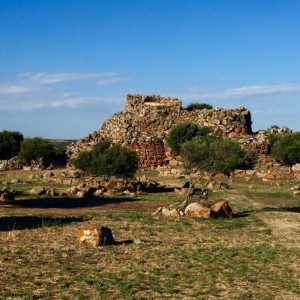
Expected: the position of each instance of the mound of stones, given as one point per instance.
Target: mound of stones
(110, 187)
(196, 210)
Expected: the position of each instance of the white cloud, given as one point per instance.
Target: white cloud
(14, 89)
(46, 78)
(32, 91)
(242, 92)
(263, 90)
(76, 101)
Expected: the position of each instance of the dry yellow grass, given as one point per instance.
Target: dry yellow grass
(253, 256)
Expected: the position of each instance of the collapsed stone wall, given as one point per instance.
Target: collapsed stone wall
(145, 122)
(17, 164)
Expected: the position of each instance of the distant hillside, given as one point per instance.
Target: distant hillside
(59, 143)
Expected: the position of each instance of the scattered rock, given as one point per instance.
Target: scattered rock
(81, 194)
(7, 197)
(15, 180)
(295, 188)
(222, 209)
(38, 190)
(167, 213)
(217, 185)
(48, 175)
(89, 236)
(7, 194)
(98, 192)
(109, 193)
(74, 190)
(52, 192)
(106, 237)
(94, 237)
(197, 210)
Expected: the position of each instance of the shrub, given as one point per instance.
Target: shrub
(108, 160)
(286, 148)
(37, 148)
(212, 155)
(185, 132)
(10, 143)
(83, 161)
(248, 160)
(198, 106)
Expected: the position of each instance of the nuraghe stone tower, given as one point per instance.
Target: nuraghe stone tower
(146, 121)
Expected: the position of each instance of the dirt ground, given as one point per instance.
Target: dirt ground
(253, 256)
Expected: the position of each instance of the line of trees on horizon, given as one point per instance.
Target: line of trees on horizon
(13, 143)
(200, 149)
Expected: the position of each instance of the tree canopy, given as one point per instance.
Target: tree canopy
(212, 155)
(37, 148)
(198, 106)
(109, 160)
(286, 148)
(10, 142)
(185, 132)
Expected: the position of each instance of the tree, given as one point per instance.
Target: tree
(198, 106)
(109, 160)
(185, 132)
(212, 155)
(38, 148)
(10, 143)
(286, 148)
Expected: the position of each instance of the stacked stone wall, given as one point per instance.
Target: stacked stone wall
(145, 122)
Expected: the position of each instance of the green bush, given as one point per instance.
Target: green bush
(37, 148)
(286, 148)
(83, 161)
(248, 160)
(108, 160)
(10, 143)
(185, 132)
(198, 106)
(212, 155)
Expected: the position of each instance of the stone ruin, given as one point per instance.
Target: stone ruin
(145, 122)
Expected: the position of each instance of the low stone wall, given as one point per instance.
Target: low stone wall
(17, 164)
(152, 154)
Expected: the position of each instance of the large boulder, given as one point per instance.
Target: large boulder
(221, 209)
(197, 210)
(94, 237)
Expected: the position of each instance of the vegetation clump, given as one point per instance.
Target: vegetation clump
(10, 143)
(198, 106)
(286, 148)
(38, 148)
(109, 160)
(184, 132)
(212, 155)
(204, 152)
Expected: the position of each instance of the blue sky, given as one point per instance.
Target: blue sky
(67, 65)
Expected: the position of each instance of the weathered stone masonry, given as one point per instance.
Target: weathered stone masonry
(146, 121)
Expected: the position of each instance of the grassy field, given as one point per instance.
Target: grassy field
(253, 256)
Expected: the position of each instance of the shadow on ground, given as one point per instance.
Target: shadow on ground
(9, 223)
(243, 214)
(67, 202)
